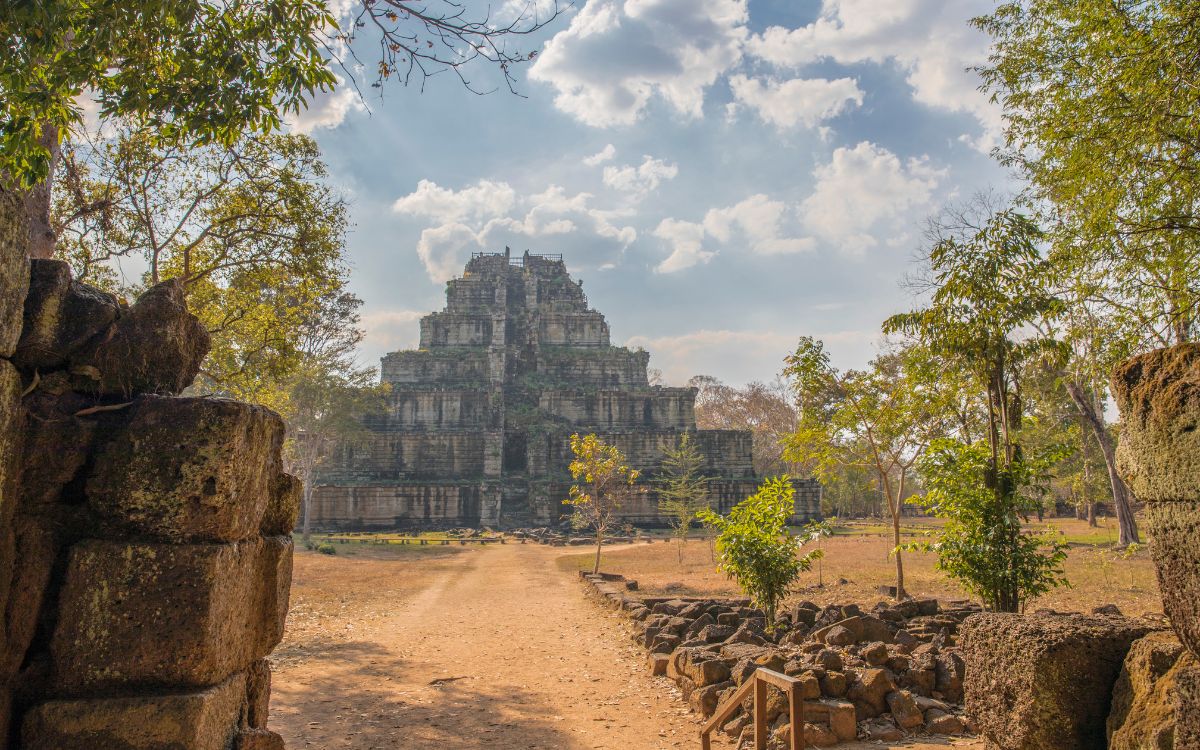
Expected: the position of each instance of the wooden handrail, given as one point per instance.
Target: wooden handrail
(758, 682)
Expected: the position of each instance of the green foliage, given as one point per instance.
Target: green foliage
(754, 547)
(981, 544)
(683, 490)
(207, 70)
(602, 480)
(1099, 103)
(253, 231)
(325, 548)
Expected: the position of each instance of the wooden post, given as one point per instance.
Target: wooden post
(760, 714)
(796, 717)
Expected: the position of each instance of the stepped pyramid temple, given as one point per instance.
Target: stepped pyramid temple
(478, 421)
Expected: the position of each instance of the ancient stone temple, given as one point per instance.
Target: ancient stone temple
(477, 427)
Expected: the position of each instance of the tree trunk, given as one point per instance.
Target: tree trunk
(599, 542)
(1091, 515)
(1122, 497)
(307, 509)
(37, 199)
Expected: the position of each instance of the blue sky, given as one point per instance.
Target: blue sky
(724, 176)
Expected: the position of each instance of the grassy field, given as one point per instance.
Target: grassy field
(857, 561)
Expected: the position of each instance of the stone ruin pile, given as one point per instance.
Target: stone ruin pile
(880, 675)
(145, 556)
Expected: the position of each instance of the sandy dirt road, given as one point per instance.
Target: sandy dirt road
(464, 648)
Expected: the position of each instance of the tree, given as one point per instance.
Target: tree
(988, 294)
(762, 408)
(755, 548)
(196, 72)
(683, 490)
(816, 531)
(251, 229)
(882, 417)
(602, 480)
(981, 544)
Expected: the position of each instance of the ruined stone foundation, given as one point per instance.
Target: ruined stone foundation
(479, 418)
(145, 556)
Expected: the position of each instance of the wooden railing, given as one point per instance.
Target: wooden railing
(758, 682)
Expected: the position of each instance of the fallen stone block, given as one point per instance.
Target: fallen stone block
(202, 720)
(1044, 681)
(839, 716)
(155, 346)
(167, 615)
(189, 470)
(257, 739)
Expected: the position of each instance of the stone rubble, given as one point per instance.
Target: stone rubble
(889, 673)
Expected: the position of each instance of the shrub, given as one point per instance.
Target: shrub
(325, 548)
(754, 546)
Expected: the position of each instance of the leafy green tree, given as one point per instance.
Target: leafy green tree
(602, 481)
(981, 544)
(252, 230)
(816, 531)
(988, 295)
(196, 72)
(881, 418)
(754, 547)
(683, 490)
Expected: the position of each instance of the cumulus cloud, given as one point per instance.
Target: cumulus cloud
(605, 154)
(327, 110)
(483, 200)
(483, 215)
(391, 330)
(931, 40)
(616, 55)
(758, 219)
(865, 188)
(641, 179)
(799, 101)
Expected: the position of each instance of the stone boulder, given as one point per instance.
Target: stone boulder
(155, 346)
(61, 316)
(1044, 681)
(1159, 456)
(1143, 715)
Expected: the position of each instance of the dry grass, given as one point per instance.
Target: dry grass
(857, 562)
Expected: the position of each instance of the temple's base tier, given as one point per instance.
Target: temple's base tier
(476, 429)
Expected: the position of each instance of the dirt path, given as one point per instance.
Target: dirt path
(493, 648)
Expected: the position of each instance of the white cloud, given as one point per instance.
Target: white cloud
(800, 101)
(641, 179)
(867, 188)
(483, 200)
(605, 154)
(444, 249)
(487, 213)
(760, 220)
(618, 54)
(327, 109)
(930, 40)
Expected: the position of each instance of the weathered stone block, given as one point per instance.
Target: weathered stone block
(61, 315)
(258, 694)
(202, 720)
(257, 739)
(1187, 705)
(1143, 716)
(839, 715)
(283, 506)
(168, 615)
(1042, 681)
(1159, 456)
(14, 269)
(156, 346)
(189, 469)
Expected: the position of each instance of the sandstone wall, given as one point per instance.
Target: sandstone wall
(450, 368)
(660, 408)
(145, 561)
(610, 368)
(579, 329)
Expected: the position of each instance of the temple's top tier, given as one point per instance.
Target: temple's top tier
(503, 302)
